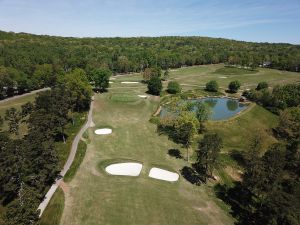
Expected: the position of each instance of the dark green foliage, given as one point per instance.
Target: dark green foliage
(212, 86)
(29, 165)
(262, 85)
(234, 86)
(13, 118)
(166, 75)
(207, 154)
(289, 124)
(269, 193)
(174, 87)
(154, 86)
(101, 79)
(286, 95)
(280, 98)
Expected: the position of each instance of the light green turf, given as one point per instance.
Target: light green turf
(200, 75)
(94, 197)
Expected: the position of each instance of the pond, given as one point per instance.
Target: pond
(222, 108)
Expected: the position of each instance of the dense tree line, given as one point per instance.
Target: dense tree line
(276, 99)
(29, 163)
(36, 59)
(269, 192)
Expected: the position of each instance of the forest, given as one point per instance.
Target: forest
(28, 62)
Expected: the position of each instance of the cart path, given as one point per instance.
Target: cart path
(69, 162)
(23, 95)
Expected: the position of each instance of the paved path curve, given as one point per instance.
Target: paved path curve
(69, 162)
(23, 95)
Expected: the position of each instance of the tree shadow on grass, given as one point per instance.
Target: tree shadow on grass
(175, 153)
(239, 199)
(192, 176)
(237, 156)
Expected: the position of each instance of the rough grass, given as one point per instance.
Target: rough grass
(96, 198)
(237, 132)
(81, 150)
(124, 98)
(53, 212)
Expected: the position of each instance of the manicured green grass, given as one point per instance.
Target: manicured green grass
(198, 76)
(53, 212)
(98, 198)
(81, 150)
(234, 71)
(124, 98)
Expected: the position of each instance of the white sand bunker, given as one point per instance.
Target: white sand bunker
(111, 82)
(129, 82)
(124, 169)
(143, 96)
(223, 77)
(103, 131)
(161, 174)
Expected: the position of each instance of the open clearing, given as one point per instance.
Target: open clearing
(95, 197)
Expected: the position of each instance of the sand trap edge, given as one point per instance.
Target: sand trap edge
(103, 131)
(161, 174)
(130, 82)
(130, 169)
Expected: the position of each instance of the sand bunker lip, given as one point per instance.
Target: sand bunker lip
(103, 131)
(161, 174)
(130, 82)
(143, 96)
(125, 169)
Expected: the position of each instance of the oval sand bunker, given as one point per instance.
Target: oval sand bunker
(161, 174)
(130, 82)
(103, 131)
(124, 169)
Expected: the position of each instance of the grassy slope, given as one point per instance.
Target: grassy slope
(53, 213)
(81, 150)
(96, 198)
(236, 132)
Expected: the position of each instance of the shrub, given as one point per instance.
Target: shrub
(174, 87)
(234, 86)
(154, 86)
(212, 86)
(262, 85)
